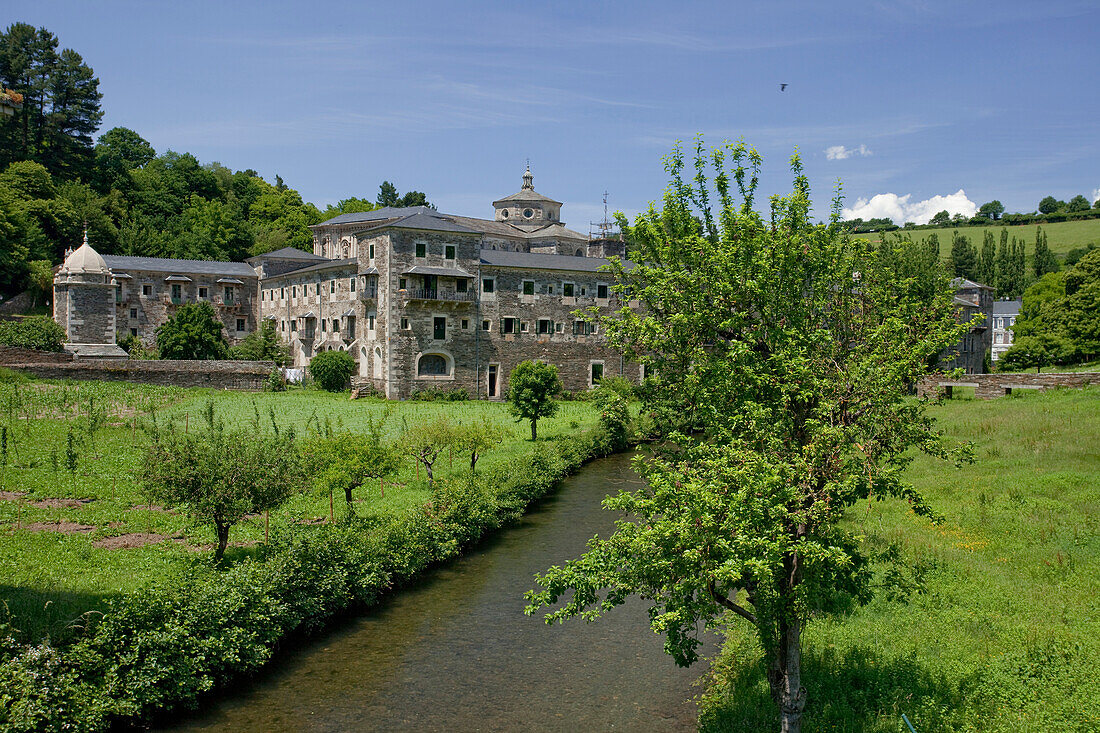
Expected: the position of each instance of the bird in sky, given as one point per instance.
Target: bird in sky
(782, 87)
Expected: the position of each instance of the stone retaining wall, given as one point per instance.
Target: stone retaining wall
(238, 375)
(989, 386)
(14, 355)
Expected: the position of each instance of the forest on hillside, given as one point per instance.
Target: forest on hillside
(57, 179)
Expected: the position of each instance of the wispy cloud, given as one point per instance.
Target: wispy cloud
(1096, 195)
(807, 135)
(839, 152)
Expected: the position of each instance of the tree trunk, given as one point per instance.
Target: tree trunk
(347, 496)
(785, 677)
(223, 539)
(428, 469)
(473, 461)
(534, 432)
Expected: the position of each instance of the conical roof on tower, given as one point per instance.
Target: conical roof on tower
(527, 192)
(85, 261)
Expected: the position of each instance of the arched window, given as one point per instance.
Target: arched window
(432, 365)
(578, 253)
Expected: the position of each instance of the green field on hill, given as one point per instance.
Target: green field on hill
(1061, 236)
(987, 622)
(71, 539)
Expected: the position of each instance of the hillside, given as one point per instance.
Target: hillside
(1062, 236)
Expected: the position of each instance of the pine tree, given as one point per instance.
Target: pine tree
(986, 261)
(1045, 261)
(964, 256)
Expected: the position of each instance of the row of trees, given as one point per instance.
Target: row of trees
(1050, 210)
(55, 179)
(1003, 266)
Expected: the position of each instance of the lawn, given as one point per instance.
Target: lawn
(71, 538)
(1061, 236)
(987, 622)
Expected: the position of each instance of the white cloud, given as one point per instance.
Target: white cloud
(898, 208)
(1096, 195)
(839, 152)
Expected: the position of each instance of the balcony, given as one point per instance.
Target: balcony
(369, 292)
(443, 295)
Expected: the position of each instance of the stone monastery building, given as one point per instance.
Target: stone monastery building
(419, 298)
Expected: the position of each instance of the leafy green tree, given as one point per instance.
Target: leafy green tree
(532, 387)
(262, 345)
(941, 219)
(964, 257)
(1039, 351)
(219, 476)
(783, 352)
(61, 99)
(1045, 261)
(15, 230)
(118, 152)
(331, 370)
(1050, 204)
(194, 332)
(987, 260)
(426, 440)
(387, 194)
(1077, 203)
(346, 460)
(40, 280)
(477, 438)
(1079, 312)
(992, 210)
(33, 332)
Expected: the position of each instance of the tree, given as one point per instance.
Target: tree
(964, 256)
(262, 345)
(532, 387)
(941, 219)
(194, 332)
(426, 440)
(992, 210)
(476, 438)
(1045, 261)
(60, 103)
(1079, 312)
(346, 460)
(783, 351)
(387, 194)
(1050, 204)
(987, 260)
(40, 279)
(331, 370)
(117, 152)
(1040, 350)
(1077, 203)
(219, 475)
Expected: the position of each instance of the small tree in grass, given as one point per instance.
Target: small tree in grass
(346, 460)
(782, 353)
(426, 440)
(194, 332)
(476, 438)
(532, 387)
(331, 370)
(219, 476)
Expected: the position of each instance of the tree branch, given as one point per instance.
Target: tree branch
(727, 603)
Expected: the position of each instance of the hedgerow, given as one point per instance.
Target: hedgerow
(164, 647)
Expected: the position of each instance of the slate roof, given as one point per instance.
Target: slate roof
(1007, 307)
(388, 212)
(500, 258)
(189, 267)
(320, 266)
(527, 195)
(438, 271)
(287, 253)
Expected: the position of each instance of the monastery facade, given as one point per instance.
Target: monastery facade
(419, 298)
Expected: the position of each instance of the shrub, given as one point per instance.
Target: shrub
(532, 387)
(332, 370)
(194, 332)
(276, 382)
(33, 332)
(262, 345)
(433, 394)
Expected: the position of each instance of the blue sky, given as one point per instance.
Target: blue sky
(905, 101)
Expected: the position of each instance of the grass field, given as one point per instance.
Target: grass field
(1061, 236)
(988, 622)
(48, 577)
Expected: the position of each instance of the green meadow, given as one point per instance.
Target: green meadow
(989, 621)
(70, 539)
(1061, 236)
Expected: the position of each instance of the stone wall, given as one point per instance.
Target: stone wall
(12, 355)
(144, 303)
(237, 375)
(990, 386)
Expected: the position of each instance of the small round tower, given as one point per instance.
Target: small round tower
(526, 207)
(84, 303)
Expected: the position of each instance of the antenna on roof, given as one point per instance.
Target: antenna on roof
(603, 229)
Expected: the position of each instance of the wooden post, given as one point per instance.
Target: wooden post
(267, 526)
(186, 417)
(331, 513)
(382, 486)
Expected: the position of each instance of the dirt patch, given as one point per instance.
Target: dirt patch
(11, 495)
(151, 508)
(313, 520)
(63, 527)
(60, 503)
(129, 541)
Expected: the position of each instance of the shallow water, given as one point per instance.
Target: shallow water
(456, 652)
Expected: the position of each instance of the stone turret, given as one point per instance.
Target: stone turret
(527, 208)
(84, 304)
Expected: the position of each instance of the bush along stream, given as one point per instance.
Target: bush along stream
(164, 647)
